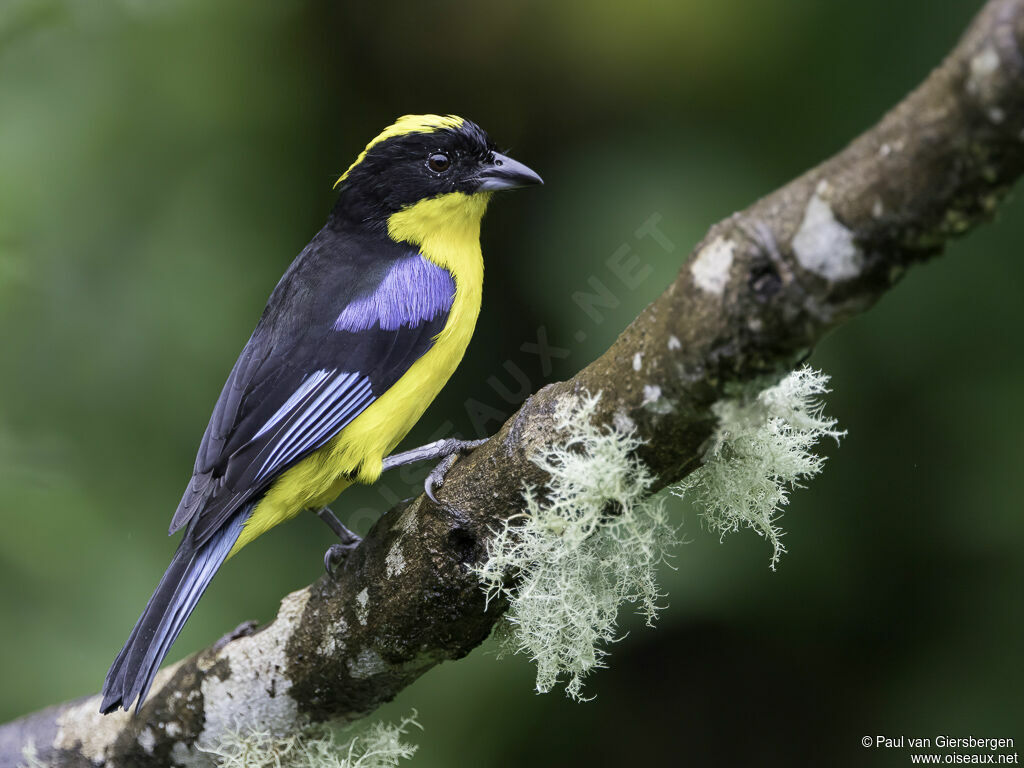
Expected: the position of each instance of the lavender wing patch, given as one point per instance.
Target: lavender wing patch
(414, 291)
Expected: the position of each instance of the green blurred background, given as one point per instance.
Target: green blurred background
(162, 162)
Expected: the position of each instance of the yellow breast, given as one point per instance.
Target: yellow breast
(446, 230)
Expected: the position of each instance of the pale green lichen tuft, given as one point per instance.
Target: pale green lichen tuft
(378, 746)
(761, 449)
(592, 538)
(586, 543)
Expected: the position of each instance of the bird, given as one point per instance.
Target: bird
(358, 337)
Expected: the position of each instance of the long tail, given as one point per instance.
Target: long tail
(174, 599)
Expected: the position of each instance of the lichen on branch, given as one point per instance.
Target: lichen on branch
(591, 539)
(586, 543)
(378, 745)
(761, 450)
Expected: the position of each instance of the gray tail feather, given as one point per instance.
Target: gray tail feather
(174, 599)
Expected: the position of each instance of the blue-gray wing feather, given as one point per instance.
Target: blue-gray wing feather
(314, 363)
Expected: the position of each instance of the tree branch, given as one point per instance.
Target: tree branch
(762, 288)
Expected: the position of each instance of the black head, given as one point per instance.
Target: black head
(422, 157)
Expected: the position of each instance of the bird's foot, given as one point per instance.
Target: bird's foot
(436, 477)
(336, 553)
(446, 450)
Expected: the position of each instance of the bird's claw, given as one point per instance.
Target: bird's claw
(436, 477)
(348, 541)
(336, 555)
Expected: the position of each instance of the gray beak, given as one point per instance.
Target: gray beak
(502, 172)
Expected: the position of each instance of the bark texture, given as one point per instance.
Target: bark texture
(762, 288)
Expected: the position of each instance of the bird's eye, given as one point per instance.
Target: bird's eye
(438, 162)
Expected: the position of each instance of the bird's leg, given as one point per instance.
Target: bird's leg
(446, 450)
(336, 553)
(439, 449)
(339, 528)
